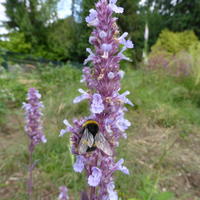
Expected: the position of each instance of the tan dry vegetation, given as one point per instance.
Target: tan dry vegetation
(164, 153)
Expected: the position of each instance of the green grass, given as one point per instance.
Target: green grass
(163, 105)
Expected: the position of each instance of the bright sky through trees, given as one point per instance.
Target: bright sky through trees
(64, 7)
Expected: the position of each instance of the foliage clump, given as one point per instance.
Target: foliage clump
(177, 54)
(174, 42)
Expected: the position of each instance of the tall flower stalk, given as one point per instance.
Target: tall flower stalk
(33, 128)
(105, 100)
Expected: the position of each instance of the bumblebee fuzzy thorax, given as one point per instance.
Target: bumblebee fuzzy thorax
(92, 126)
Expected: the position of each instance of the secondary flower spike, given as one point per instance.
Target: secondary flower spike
(33, 128)
(99, 134)
(33, 116)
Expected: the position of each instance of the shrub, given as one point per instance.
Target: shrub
(176, 54)
(195, 52)
(16, 43)
(174, 42)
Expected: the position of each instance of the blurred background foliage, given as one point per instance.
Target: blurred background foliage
(36, 29)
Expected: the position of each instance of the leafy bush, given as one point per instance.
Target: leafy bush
(62, 39)
(48, 76)
(16, 43)
(173, 43)
(176, 54)
(195, 52)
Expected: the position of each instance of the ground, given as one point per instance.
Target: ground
(161, 151)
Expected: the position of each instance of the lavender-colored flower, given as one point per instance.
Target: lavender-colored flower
(63, 193)
(84, 96)
(79, 164)
(33, 128)
(106, 103)
(95, 178)
(92, 18)
(90, 57)
(123, 98)
(102, 34)
(111, 75)
(33, 116)
(67, 129)
(111, 191)
(114, 7)
(119, 166)
(97, 104)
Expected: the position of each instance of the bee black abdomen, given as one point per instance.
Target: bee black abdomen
(89, 149)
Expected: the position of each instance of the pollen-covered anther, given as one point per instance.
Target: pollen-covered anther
(100, 77)
(109, 100)
(119, 101)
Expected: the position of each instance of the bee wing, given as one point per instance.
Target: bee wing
(86, 141)
(103, 144)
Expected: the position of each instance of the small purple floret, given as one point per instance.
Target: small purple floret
(95, 178)
(63, 193)
(79, 164)
(97, 104)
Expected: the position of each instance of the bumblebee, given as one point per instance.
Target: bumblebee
(92, 138)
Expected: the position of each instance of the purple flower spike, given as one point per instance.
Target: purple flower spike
(107, 117)
(33, 128)
(63, 193)
(33, 116)
(95, 178)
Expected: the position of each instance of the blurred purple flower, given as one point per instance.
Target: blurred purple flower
(79, 164)
(90, 57)
(114, 7)
(106, 104)
(102, 34)
(33, 116)
(95, 178)
(119, 166)
(84, 96)
(111, 192)
(33, 128)
(63, 193)
(97, 104)
(123, 98)
(67, 129)
(111, 75)
(92, 18)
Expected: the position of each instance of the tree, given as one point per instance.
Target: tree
(31, 17)
(180, 15)
(130, 21)
(83, 30)
(62, 39)
(133, 22)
